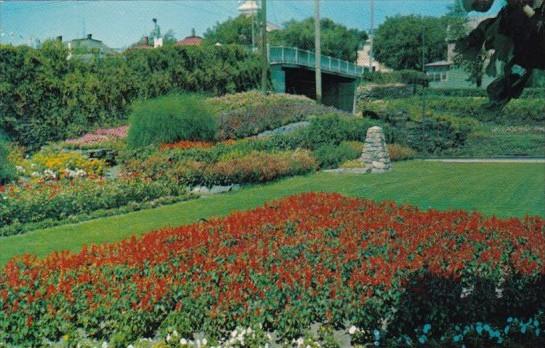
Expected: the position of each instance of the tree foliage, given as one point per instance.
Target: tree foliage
(399, 41)
(337, 40)
(457, 22)
(232, 31)
(46, 97)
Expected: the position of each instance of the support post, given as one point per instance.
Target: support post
(264, 50)
(317, 50)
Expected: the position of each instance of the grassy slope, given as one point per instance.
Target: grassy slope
(500, 189)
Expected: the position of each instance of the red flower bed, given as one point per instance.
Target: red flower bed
(306, 258)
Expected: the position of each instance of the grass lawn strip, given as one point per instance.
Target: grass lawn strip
(491, 188)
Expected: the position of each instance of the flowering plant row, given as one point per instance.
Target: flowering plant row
(232, 167)
(388, 270)
(52, 163)
(250, 113)
(45, 202)
(99, 137)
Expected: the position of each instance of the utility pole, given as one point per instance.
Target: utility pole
(264, 48)
(423, 71)
(317, 51)
(371, 29)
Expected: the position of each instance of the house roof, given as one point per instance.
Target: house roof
(190, 41)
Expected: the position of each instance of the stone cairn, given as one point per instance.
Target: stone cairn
(375, 155)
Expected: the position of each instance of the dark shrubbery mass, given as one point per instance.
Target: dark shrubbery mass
(46, 97)
(169, 119)
(7, 170)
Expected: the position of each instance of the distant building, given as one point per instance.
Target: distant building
(192, 40)
(87, 48)
(365, 58)
(248, 8)
(142, 44)
(446, 74)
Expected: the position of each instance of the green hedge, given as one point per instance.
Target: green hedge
(7, 169)
(45, 97)
(413, 77)
(530, 93)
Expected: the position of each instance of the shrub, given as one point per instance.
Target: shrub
(333, 129)
(246, 114)
(517, 112)
(331, 156)
(408, 76)
(528, 92)
(169, 119)
(431, 132)
(399, 152)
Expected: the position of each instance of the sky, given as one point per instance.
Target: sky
(120, 23)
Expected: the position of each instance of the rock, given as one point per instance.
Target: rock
(220, 189)
(104, 154)
(216, 189)
(113, 172)
(375, 155)
(289, 128)
(200, 190)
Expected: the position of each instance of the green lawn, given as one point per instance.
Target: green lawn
(492, 188)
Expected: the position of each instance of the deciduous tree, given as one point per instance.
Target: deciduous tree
(399, 41)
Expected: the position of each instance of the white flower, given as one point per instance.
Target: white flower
(204, 341)
(300, 341)
(234, 333)
(104, 344)
(175, 333)
(183, 342)
(130, 346)
(499, 292)
(467, 291)
(169, 338)
(352, 330)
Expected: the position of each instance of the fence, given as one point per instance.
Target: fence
(290, 55)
